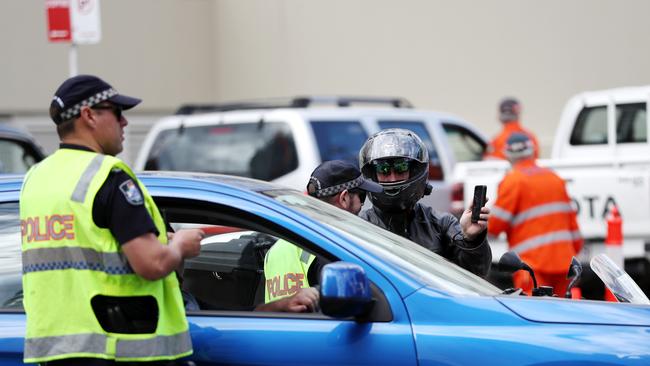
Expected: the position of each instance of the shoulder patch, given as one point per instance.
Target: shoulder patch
(131, 192)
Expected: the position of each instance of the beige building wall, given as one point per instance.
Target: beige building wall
(456, 56)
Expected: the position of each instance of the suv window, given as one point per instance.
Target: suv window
(15, 157)
(631, 123)
(258, 150)
(419, 129)
(339, 139)
(465, 145)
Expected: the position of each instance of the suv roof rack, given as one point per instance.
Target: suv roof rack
(295, 102)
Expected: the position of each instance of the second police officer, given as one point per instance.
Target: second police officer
(398, 160)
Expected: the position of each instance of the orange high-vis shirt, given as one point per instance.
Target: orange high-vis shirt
(496, 148)
(534, 210)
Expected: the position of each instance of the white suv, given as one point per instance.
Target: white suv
(284, 140)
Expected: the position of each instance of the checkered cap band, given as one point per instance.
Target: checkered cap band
(330, 191)
(91, 101)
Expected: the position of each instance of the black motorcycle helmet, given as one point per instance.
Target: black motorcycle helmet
(392, 145)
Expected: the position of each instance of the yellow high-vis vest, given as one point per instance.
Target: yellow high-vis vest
(68, 260)
(285, 270)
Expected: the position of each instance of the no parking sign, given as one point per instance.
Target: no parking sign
(75, 21)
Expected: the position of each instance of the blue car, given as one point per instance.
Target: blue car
(384, 299)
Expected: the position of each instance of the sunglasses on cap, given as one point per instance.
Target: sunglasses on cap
(398, 166)
(116, 109)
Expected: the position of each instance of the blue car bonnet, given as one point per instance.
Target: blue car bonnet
(556, 310)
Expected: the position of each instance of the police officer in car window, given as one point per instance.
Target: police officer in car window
(98, 270)
(290, 271)
(398, 160)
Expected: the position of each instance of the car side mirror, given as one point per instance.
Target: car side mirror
(344, 290)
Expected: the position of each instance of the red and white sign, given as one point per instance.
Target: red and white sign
(74, 21)
(58, 21)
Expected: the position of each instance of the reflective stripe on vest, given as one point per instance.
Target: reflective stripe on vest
(80, 190)
(531, 213)
(50, 259)
(96, 343)
(538, 241)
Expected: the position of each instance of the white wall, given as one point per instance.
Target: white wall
(458, 56)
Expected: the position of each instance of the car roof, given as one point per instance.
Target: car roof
(14, 133)
(623, 94)
(13, 182)
(228, 181)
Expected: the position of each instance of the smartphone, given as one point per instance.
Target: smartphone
(479, 201)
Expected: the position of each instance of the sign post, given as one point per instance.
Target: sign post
(73, 21)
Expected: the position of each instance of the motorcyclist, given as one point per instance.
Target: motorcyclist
(398, 160)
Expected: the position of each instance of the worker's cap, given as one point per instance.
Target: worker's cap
(85, 90)
(509, 110)
(334, 176)
(519, 146)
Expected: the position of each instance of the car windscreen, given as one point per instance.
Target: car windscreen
(339, 140)
(413, 259)
(257, 150)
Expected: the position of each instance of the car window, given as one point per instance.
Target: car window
(339, 139)
(15, 157)
(228, 275)
(631, 123)
(465, 144)
(420, 129)
(591, 127)
(10, 257)
(400, 252)
(257, 150)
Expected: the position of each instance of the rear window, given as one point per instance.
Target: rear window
(631, 125)
(257, 150)
(419, 129)
(339, 139)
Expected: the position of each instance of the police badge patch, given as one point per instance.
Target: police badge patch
(132, 193)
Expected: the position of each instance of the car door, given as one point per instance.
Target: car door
(226, 330)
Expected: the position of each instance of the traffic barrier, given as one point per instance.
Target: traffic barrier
(614, 243)
(576, 293)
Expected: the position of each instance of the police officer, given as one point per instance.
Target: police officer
(534, 210)
(398, 160)
(98, 271)
(509, 115)
(288, 269)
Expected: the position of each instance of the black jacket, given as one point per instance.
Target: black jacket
(439, 232)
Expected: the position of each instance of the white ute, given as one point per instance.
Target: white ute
(601, 150)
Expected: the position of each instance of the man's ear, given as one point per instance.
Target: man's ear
(87, 117)
(344, 199)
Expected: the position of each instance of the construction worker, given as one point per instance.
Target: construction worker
(398, 160)
(534, 210)
(290, 271)
(98, 271)
(509, 115)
